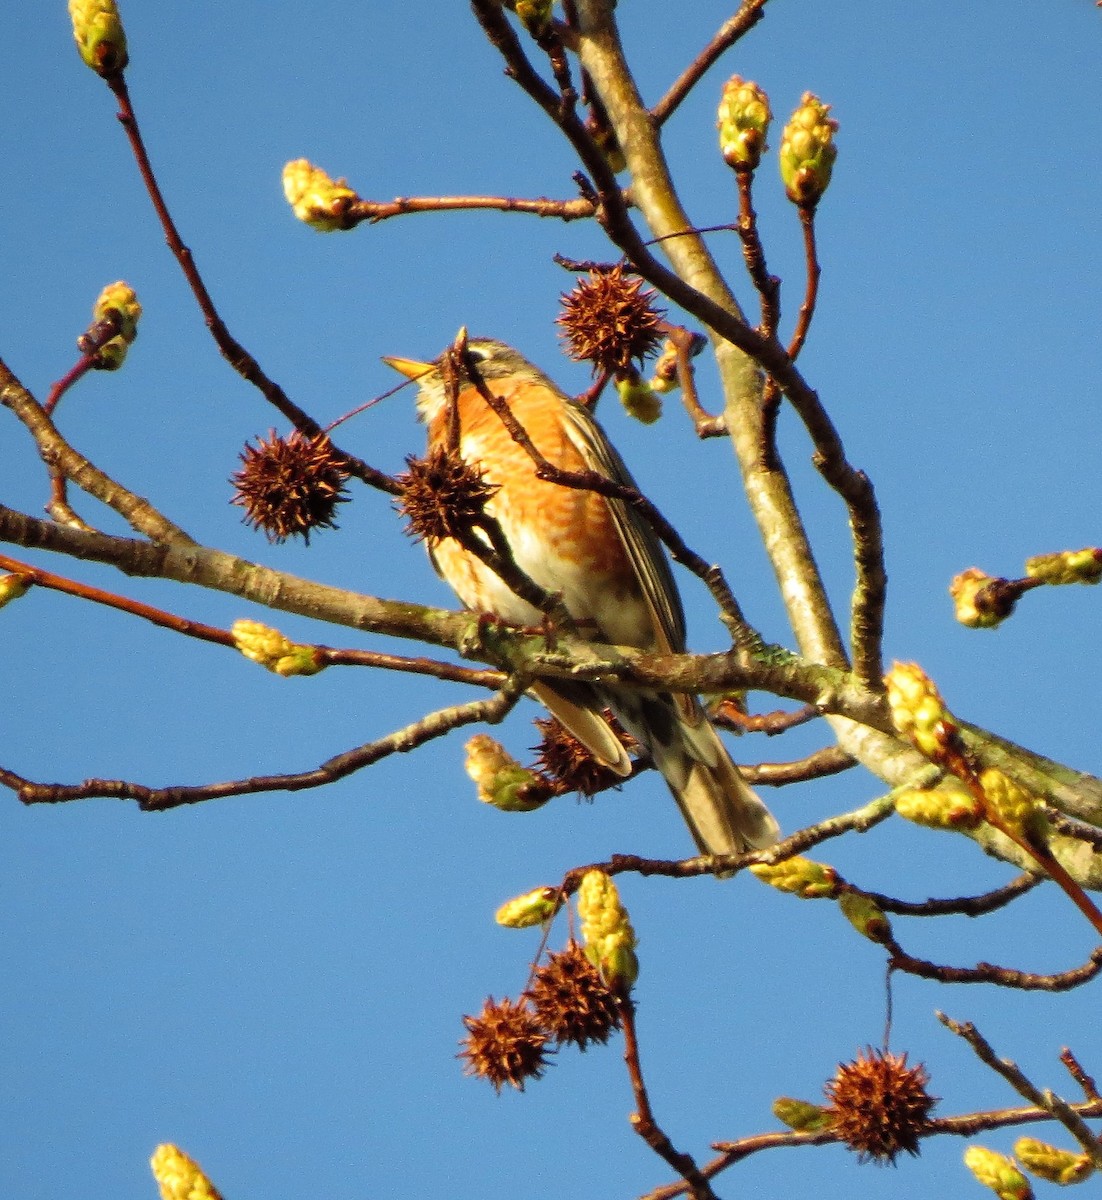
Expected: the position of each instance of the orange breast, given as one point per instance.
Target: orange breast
(563, 538)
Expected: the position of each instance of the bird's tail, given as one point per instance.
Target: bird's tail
(722, 812)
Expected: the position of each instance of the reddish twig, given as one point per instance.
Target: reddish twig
(767, 286)
(728, 714)
(232, 350)
(642, 1120)
(325, 655)
(1077, 1072)
(725, 37)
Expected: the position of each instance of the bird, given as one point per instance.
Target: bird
(607, 567)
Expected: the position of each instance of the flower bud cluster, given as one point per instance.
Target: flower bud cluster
(268, 647)
(606, 931)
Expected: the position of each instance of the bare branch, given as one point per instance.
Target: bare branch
(725, 37)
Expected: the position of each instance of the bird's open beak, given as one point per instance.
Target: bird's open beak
(409, 367)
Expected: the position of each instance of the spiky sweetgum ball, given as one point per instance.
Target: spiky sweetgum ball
(505, 1044)
(290, 486)
(442, 496)
(609, 320)
(572, 1001)
(569, 764)
(879, 1106)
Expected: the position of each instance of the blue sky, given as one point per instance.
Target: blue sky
(275, 983)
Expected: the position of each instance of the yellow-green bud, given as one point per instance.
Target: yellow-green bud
(978, 601)
(808, 151)
(945, 807)
(606, 930)
(1069, 566)
(535, 15)
(533, 908)
(639, 399)
(501, 781)
(112, 354)
(180, 1177)
(801, 1115)
(803, 877)
(121, 300)
(997, 1172)
(12, 587)
(743, 123)
(99, 35)
(315, 198)
(665, 378)
(1020, 811)
(273, 651)
(917, 710)
(866, 916)
(1052, 1163)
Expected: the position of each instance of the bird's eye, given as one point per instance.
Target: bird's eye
(476, 354)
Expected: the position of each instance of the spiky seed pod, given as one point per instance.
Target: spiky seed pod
(879, 1106)
(802, 1115)
(180, 1177)
(99, 35)
(501, 781)
(608, 320)
(982, 601)
(808, 151)
(866, 916)
(316, 199)
(918, 711)
(505, 1044)
(442, 496)
(997, 1172)
(533, 908)
(743, 123)
(801, 876)
(571, 1000)
(1051, 1163)
(1069, 566)
(290, 486)
(12, 587)
(944, 807)
(563, 759)
(270, 649)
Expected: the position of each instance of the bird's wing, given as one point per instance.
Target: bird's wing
(643, 548)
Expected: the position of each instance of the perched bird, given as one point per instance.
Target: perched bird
(605, 562)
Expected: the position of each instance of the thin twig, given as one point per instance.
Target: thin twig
(642, 1120)
(725, 37)
(325, 655)
(232, 350)
(767, 286)
(151, 799)
(831, 760)
(1079, 1074)
(1009, 977)
(966, 906)
(729, 715)
(374, 211)
(1066, 1114)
